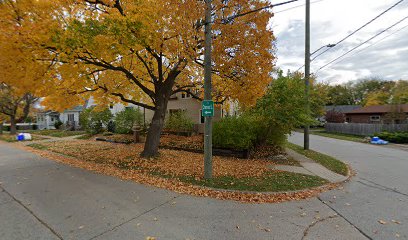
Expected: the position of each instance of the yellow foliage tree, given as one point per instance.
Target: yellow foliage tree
(142, 52)
(24, 63)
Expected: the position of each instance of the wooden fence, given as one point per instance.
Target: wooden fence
(364, 129)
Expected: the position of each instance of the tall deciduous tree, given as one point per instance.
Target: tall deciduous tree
(23, 62)
(142, 52)
(393, 93)
(15, 106)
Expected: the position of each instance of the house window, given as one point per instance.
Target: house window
(375, 118)
(201, 116)
(185, 95)
(70, 117)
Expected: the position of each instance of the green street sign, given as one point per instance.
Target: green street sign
(207, 107)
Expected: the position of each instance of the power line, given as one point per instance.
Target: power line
(228, 19)
(378, 34)
(297, 6)
(382, 39)
(357, 30)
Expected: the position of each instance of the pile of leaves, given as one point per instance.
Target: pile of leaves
(171, 162)
(117, 138)
(182, 142)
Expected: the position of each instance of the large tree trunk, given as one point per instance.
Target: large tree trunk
(151, 147)
(13, 127)
(1, 127)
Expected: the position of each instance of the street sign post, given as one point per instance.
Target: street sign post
(207, 108)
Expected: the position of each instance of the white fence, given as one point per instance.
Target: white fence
(364, 129)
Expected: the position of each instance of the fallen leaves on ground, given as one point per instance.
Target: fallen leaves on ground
(171, 162)
(382, 222)
(123, 161)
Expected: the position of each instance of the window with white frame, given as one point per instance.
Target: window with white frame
(71, 117)
(375, 118)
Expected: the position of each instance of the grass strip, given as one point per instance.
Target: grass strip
(328, 162)
(269, 182)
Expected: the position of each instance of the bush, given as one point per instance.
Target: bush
(396, 137)
(111, 127)
(239, 133)
(179, 122)
(93, 121)
(58, 124)
(126, 119)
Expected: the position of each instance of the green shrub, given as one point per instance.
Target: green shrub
(111, 127)
(125, 120)
(246, 132)
(179, 122)
(396, 137)
(93, 121)
(238, 133)
(58, 124)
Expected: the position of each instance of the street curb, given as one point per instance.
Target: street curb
(183, 188)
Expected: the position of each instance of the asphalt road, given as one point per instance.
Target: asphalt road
(42, 199)
(379, 191)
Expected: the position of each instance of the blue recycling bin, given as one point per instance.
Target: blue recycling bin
(20, 137)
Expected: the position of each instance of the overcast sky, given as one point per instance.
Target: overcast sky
(332, 20)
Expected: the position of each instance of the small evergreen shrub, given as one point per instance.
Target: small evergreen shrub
(58, 124)
(396, 137)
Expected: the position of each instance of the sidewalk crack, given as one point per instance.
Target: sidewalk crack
(339, 214)
(306, 232)
(381, 187)
(33, 214)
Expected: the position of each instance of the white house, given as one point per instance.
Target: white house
(47, 119)
(70, 117)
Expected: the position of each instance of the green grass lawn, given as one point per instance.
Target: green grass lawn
(341, 136)
(329, 162)
(56, 133)
(269, 182)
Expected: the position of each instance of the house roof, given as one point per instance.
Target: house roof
(48, 112)
(79, 108)
(381, 109)
(341, 108)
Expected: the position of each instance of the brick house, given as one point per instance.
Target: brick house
(383, 114)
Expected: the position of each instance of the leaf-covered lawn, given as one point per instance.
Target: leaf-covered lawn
(187, 167)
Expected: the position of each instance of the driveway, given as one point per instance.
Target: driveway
(42, 199)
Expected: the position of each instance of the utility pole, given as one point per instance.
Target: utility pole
(307, 74)
(207, 91)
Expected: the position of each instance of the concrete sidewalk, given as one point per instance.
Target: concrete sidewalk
(310, 167)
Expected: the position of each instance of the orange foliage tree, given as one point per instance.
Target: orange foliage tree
(142, 52)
